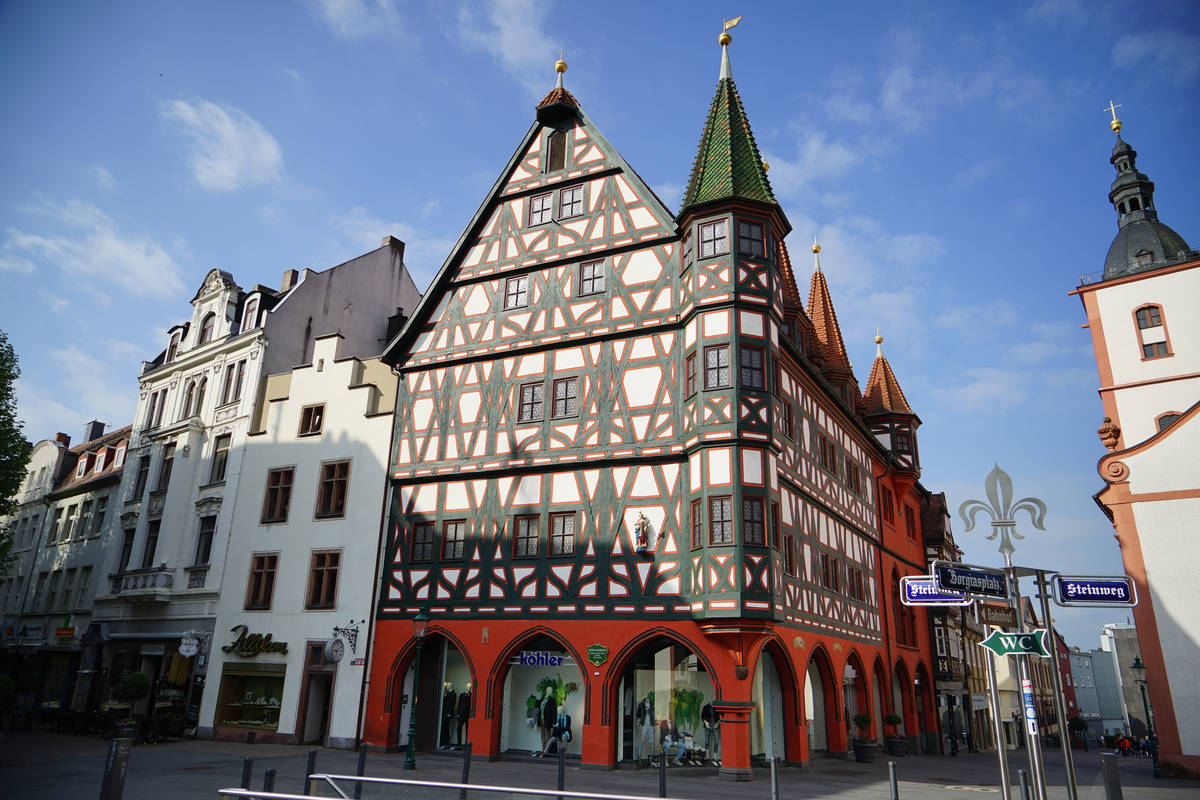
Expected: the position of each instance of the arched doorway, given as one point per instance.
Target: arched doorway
(542, 680)
(444, 692)
(820, 704)
(768, 734)
(901, 694)
(666, 692)
(878, 690)
(855, 683)
(924, 709)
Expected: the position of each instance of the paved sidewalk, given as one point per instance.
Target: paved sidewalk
(45, 765)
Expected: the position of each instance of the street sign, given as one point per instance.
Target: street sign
(965, 579)
(922, 590)
(998, 616)
(1031, 643)
(1094, 591)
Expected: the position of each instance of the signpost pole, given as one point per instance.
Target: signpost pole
(1059, 704)
(1033, 742)
(997, 723)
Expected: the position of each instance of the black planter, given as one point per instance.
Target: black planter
(864, 750)
(897, 746)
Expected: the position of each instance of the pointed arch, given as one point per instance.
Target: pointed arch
(201, 388)
(499, 668)
(189, 397)
(620, 662)
(856, 690)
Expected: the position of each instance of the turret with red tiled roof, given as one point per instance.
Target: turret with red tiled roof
(830, 349)
(888, 413)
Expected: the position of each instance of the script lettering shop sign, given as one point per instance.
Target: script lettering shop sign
(1094, 591)
(249, 645)
(970, 580)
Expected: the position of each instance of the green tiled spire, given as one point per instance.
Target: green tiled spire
(727, 163)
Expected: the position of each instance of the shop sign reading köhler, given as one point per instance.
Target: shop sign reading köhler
(597, 654)
(540, 658)
(249, 645)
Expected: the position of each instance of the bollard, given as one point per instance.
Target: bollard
(362, 769)
(247, 769)
(893, 782)
(310, 767)
(662, 774)
(1112, 778)
(1024, 780)
(775, 778)
(269, 780)
(562, 763)
(466, 774)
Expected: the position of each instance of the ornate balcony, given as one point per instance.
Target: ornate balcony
(197, 575)
(144, 585)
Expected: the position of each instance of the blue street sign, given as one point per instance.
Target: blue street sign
(970, 580)
(1095, 591)
(922, 590)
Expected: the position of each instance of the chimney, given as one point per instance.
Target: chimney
(395, 323)
(63, 439)
(93, 431)
(395, 244)
(288, 280)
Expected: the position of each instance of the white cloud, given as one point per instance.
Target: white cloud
(96, 250)
(360, 19)
(513, 33)
(979, 171)
(423, 254)
(913, 250)
(986, 388)
(1068, 11)
(670, 193)
(57, 303)
(816, 158)
(15, 263)
(1175, 53)
(103, 177)
(77, 385)
(230, 149)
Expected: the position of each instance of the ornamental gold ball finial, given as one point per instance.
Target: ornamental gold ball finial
(816, 248)
(1116, 123)
(560, 66)
(724, 39)
(878, 339)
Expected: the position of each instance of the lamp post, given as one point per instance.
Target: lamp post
(420, 623)
(1139, 669)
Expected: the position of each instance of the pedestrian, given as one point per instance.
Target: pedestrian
(1126, 747)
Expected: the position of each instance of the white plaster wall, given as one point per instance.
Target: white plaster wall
(348, 433)
(1178, 293)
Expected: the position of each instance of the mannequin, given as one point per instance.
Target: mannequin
(712, 733)
(448, 698)
(547, 714)
(560, 734)
(463, 713)
(644, 717)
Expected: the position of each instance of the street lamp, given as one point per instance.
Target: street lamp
(1139, 669)
(420, 623)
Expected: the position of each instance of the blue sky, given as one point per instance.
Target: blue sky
(952, 160)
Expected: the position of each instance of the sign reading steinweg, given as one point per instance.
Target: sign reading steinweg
(1094, 591)
(970, 580)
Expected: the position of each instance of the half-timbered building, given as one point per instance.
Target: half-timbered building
(633, 477)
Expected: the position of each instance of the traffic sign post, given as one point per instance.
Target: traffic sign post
(922, 590)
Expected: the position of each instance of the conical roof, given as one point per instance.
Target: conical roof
(727, 162)
(824, 320)
(791, 294)
(883, 394)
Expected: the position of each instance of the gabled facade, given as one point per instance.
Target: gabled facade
(1141, 314)
(164, 570)
(627, 480)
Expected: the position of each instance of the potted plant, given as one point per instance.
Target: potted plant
(864, 746)
(897, 745)
(133, 688)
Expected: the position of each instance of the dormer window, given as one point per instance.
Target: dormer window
(173, 347)
(1145, 258)
(81, 467)
(99, 459)
(207, 327)
(250, 316)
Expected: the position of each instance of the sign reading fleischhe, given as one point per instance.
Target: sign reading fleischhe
(922, 590)
(597, 654)
(249, 645)
(1094, 591)
(970, 580)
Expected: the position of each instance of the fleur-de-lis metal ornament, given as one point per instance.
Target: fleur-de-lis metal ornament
(1003, 510)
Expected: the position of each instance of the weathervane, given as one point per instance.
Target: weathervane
(1003, 511)
(1116, 123)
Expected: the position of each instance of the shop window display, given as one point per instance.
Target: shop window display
(666, 697)
(250, 697)
(766, 721)
(542, 696)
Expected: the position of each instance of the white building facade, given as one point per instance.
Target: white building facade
(292, 622)
(164, 570)
(1146, 334)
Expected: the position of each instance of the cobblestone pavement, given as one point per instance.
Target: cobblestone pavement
(45, 765)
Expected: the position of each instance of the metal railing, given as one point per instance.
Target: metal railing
(512, 791)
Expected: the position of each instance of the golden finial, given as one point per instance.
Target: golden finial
(766, 167)
(878, 343)
(816, 248)
(726, 24)
(1116, 123)
(560, 66)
